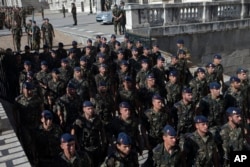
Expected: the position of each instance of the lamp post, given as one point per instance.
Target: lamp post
(90, 7)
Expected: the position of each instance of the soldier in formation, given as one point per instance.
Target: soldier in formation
(116, 100)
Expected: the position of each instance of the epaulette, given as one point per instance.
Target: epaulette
(18, 97)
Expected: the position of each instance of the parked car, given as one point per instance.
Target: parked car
(105, 17)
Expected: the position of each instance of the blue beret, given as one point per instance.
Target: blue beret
(101, 55)
(87, 104)
(161, 58)
(157, 97)
(124, 104)
(89, 40)
(127, 78)
(103, 45)
(214, 85)
(146, 48)
(72, 50)
(55, 70)
(169, 130)
(173, 73)
(64, 60)
(130, 41)
(138, 41)
(44, 63)
(98, 36)
(200, 70)
(27, 85)
(134, 49)
(124, 62)
(120, 51)
(30, 73)
(217, 56)
(156, 45)
(174, 56)
(60, 44)
(74, 43)
(83, 58)
(123, 138)
(234, 79)
(233, 110)
(180, 41)
(181, 51)
(150, 76)
(118, 43)
(103, 65)
(47, 114)
(102, 84)
(66, 137)
(77, 69)
(210, 65)
(144, 61)
(200, 119)
(186, 90)
(27, 62)
(113, 36)
(71, 85)
(241, 70)
(104, 38)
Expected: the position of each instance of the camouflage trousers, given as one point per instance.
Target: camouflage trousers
(117, 24)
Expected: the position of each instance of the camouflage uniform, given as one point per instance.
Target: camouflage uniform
(162, 158)
(17, 34)
(66, 73)
(199, 89)
(47, 144)
(117, 13)
(48, 33)
(82, 88)
(56, 87)
(200, 150)
(234, 99)
(141, 77)
(36, 38)
(173, 93)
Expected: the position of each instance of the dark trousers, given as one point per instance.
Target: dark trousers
(75, 19)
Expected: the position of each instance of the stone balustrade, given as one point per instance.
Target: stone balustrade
(171, 14)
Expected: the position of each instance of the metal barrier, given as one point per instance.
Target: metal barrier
(145, 40)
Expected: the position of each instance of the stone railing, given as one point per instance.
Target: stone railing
(166, 14)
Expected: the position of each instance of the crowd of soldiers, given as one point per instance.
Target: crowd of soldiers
(103, 104)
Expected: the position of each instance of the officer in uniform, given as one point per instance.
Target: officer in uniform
(61, 52)
(90, 134)
(168, 153)
(199, 85)
(69, 157)
(212, 107)
(23, 73)
(142, 74)
(73, 61)
(122, 71)
(36, 37)
(180, 46)
(210, 74)
(68, 107)
(73, 11)
(155, 119)
(47, 140)
(219, 69)
(27, 115)
(173, 89)
(232, 134)
(48, 33)
(122, 155)
(66, 72)
(200, 147)
(117, 15)
(17, 34)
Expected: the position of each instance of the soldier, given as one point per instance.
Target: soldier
(66, 72)
(48, 33)
(73, 11)
(123, 19)
(128, 50)
(82, 85)
(112, 42)
(63, 10)
(234, 95)
(68, 107)
(142, 74)
(185, 73)
(210, 74)
(173, 89)
(104, 104)
(42, 12)
(139, 46)
(73, 61)
(27, 115)
(124, 42)
(200, 147)
(93, 49)
(134, 62)
(122, 72)
(90, 133)
(180, 46)
(17, 34)
(147, 55)
(155, 119)
(23, 16)
(212, 107)
(123, 154)
(199, 85)
(97, 43)
(23, 73)
(183, 113)
(168, 153)
(219, 70)
(28, 29)
(155, 53)
(61, 52)
(232, 134)
(36, 37)
(69, 157)
(77, 50)
(117, 15)
(174, 65)
(47, 140)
